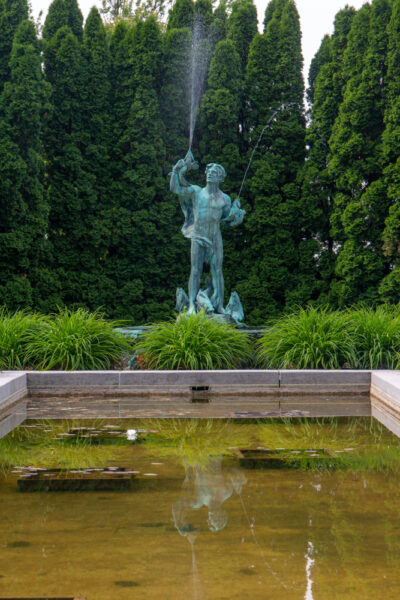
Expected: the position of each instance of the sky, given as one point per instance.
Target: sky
(316, 17)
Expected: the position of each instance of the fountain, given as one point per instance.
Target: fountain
(205, 209)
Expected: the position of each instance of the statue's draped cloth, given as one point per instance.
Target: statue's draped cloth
(188, 228)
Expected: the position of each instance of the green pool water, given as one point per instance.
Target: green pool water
(197, 523)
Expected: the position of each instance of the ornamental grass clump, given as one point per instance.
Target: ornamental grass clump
(16, 330)
(311, 338)
(376, 337)
(193, 342)
(77, 340)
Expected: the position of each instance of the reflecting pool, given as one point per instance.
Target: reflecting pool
(314, 516)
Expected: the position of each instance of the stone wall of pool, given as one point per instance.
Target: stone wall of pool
(13, 400)
(209, 394)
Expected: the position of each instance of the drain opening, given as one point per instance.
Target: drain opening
(200, 394)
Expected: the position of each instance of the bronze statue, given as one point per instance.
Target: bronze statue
(204, 210)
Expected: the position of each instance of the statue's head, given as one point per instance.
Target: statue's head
(215, 173)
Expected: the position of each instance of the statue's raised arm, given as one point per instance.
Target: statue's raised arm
(235, 214)
(178, 184)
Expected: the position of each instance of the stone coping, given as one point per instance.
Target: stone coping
(385, 399)
(13, 400)
(273, 378)
(13, 387)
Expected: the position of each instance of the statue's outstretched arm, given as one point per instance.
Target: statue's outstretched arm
(235, 215)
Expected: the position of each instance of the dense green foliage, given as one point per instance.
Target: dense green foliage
(16, 330)
(317, 338)
(271, 275)
(92, 118)
(375, 335)
(308, 339)
(66, 340)
(23, 203)
(312, 338)
(76, 340)
(193, 342)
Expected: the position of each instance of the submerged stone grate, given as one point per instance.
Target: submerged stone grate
(268, 458)
(79, 480)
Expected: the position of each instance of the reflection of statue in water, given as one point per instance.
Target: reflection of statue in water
(204, 210)
(209, 486)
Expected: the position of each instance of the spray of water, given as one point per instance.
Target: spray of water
(197, 591)
(253, 534)
(266, 126)
(199, 59)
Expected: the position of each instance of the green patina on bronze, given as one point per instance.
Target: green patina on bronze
(204, 210)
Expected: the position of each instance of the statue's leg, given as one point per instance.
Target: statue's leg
(197, 260)
(217, 275)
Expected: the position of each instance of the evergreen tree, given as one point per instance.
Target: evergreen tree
(389, 288)
(69, 185)
(242, 27)
(129, 65)
(62, 13)
(219, 24)
(74, 18)
(175, 112)
(220, 112)
(144, 216)
(23, 207)
(121, 78)
(331, 78)
(122, 96)
(322, 57)
(360, 204)
(181, 15)
(327, 79)
(56, 18)
(12, 12)
(97, 85)
(273, 11)
(274, 79)
(95, 142)
(138, 264)
(118, 215)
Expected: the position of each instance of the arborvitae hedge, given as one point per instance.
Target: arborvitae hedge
(23, 201)
(92, 118)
